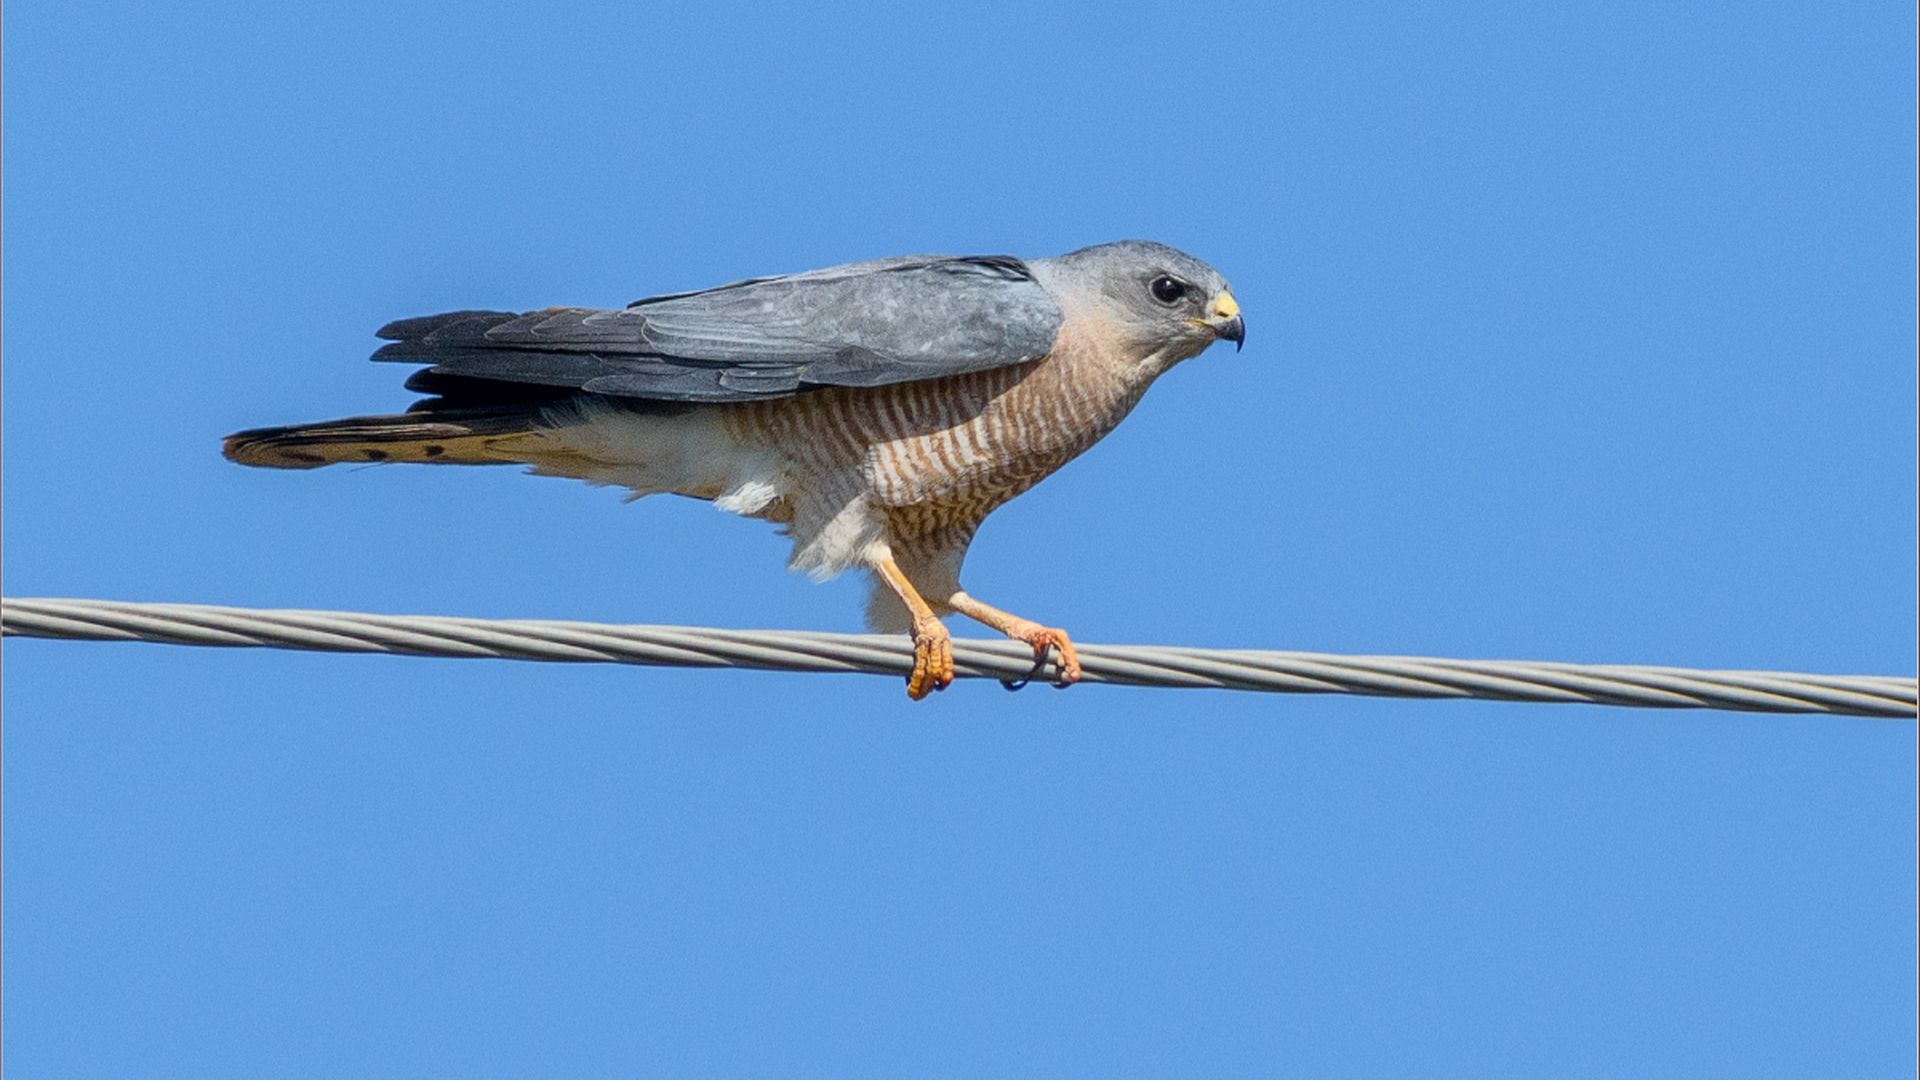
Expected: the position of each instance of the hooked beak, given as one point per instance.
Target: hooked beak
(1225, 320)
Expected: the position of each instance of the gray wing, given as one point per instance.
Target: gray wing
(863, 324)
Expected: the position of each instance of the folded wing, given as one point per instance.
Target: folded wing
(863, 324)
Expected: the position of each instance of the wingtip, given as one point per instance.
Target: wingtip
(420, 326)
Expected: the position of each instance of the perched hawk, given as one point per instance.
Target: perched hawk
(879, 411)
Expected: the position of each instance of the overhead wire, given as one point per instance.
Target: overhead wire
(1634, 685)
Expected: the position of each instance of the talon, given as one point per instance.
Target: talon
(1045, 638)
(932, 660)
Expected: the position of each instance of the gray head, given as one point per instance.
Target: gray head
(1163, 300)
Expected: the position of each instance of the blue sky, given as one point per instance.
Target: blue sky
(1580, 332)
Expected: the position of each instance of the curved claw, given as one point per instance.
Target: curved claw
(1044, 639)
(932, 659)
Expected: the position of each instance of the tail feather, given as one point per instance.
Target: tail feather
(471, 436)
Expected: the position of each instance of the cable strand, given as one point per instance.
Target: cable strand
(1182, 667)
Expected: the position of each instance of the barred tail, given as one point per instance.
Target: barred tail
(471, 436)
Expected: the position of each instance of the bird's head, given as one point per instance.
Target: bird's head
(1164, 303)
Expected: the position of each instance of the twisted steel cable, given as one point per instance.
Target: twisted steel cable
(1129, 665)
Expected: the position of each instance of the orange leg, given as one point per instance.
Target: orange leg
(932, 645)
(1041, 638)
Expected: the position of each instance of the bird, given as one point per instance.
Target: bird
(877, 412)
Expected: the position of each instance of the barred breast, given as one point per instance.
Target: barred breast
(941, 454)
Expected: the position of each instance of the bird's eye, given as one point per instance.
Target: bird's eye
(1168, 290)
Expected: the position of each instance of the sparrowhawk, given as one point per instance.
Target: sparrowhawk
(878, 411)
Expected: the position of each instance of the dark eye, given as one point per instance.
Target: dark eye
(1168, 290)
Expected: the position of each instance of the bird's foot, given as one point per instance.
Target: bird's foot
(932, 659)
(1046, 638)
